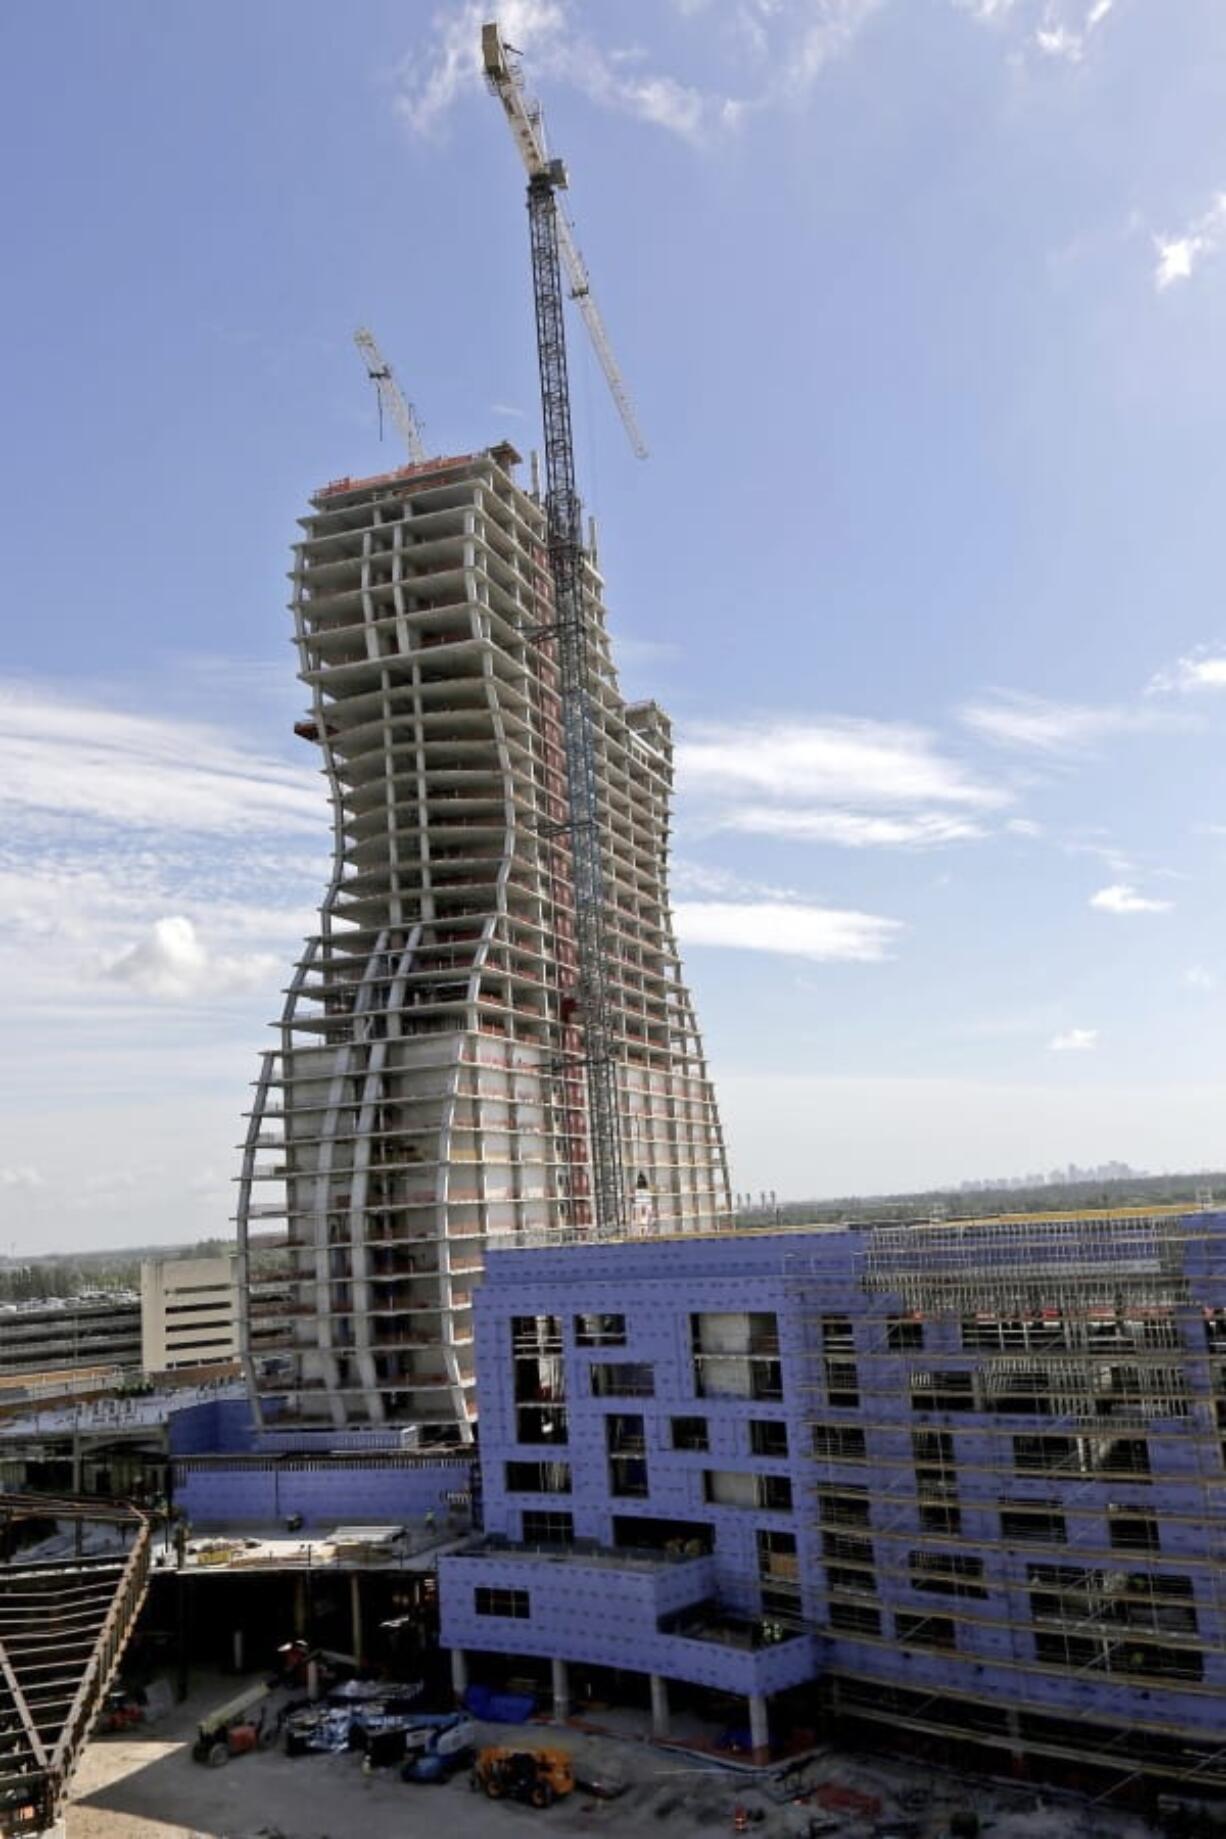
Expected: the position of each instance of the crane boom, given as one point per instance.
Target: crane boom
(528, 128)
(391, 397)
(569, 628)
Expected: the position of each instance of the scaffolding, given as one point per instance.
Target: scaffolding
(1023, 1419)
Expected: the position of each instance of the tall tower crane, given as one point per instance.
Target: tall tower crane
(528, 127)
(553, 247)
(392, 400)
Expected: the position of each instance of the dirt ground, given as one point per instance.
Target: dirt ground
(148, 1787)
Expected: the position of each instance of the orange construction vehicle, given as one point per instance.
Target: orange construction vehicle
(536, 1777)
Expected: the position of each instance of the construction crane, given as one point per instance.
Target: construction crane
(391, 397)
(528, 127)
(551, 244)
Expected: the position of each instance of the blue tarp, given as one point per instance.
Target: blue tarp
(499, 1707)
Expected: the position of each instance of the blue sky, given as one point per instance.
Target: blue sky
(920, 302)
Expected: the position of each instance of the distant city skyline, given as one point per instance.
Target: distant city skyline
(920, 304)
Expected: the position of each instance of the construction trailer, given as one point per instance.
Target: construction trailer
(946, 1482)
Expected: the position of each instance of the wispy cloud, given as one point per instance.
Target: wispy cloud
(776, 52)
(823, 934)
(1060, 29)
(1032, 724)
(717, 882)
(1122, 898)
(1066, 33)
(827, 29)
(856, 784)
(987, 11)
(1179, 256)
(143, 860)
(1074, 1041)
(67, 755)
(1203, 669)
(853, 829)
(1200, 977)
(22, 1175)
(446, 68)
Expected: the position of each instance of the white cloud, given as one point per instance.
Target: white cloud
(828, 31)
(1024, 826)
(857, 784)
(823, 934)
(842, 762)
(775, 50)
(1200, 977)
(171, 963)
(1121, 898)
(1179, 256)
(1033, 724)
(77, 757)
(701, 878)
(1074, 1041)
(854, 829)
(447, 68)
(1059, 41)
(1057, 37)
(434, 80)
(986, 10)
(1198, 670)
(22, 1175)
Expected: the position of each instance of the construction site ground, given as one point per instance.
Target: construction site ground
(144, 1784)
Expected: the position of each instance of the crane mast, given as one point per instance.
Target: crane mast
(391, 398)
(565, 529)
(593, 1000)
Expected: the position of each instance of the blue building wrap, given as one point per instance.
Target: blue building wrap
(963, 1476)
(225, 1474)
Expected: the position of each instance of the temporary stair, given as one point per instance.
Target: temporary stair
(63, 1628)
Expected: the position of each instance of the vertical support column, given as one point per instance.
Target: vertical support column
(561, 1690)
(300, 1606)
(459, 1672)
(759, 1727)
(659, 1706)
(1017, 1749)
(355, 1615)
(183, 1591)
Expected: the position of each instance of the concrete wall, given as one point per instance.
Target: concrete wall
(188, 1312)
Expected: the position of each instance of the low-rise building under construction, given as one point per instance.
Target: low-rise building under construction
(945, 1480)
